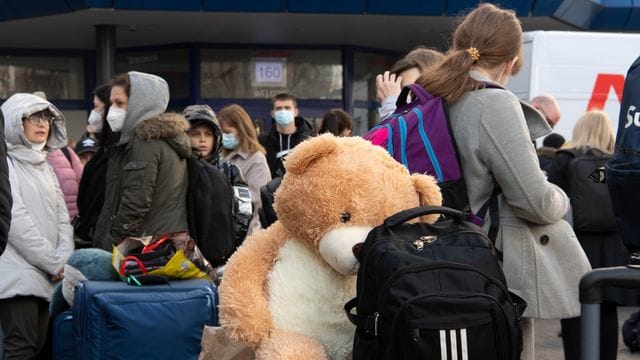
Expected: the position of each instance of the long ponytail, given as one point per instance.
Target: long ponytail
(488, 37)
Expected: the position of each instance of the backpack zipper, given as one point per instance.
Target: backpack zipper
(360, 284)
(418, 268)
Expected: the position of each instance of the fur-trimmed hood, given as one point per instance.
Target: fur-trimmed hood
(170, 127)
(547, 151)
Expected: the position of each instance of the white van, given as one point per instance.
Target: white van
(583, 70)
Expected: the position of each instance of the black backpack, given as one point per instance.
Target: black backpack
(266, 213)
(210, 211)
(427, 291)
(590, 201)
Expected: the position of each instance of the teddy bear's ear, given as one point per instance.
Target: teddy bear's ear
(310, 151)
(428, 192)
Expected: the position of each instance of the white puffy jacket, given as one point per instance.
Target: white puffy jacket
(40, 236)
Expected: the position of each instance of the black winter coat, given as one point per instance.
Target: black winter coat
(5, 190)
(90, 197)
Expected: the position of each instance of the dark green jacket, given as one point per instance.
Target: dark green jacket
(146, 183)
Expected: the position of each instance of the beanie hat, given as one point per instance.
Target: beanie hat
(553, 140)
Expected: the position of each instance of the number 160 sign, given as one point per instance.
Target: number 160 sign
(269, 72)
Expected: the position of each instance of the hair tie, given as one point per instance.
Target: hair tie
(473, 53)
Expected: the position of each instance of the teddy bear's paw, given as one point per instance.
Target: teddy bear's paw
(290, 346)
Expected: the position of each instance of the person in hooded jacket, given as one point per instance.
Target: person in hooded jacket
(289, 131)
(91, 191)
(40, 236)
(206, 142)
(146, 180)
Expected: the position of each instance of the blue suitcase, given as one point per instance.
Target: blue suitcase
(113, 320)
(63, 340)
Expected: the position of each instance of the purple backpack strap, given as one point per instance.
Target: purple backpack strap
(420, 93)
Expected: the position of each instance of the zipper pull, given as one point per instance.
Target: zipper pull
(415, 334)
(427, 239)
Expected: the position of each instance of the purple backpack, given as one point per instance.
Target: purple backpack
(418, 135)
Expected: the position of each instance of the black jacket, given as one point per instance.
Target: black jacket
(274, 143)
(546, 155)
(90, 197)
(5, 190)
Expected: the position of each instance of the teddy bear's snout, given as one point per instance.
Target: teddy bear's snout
(338, 247)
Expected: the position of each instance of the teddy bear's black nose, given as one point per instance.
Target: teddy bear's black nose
(357, 248)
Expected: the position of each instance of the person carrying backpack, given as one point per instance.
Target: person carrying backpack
(594, 223)
(206, 143)
(493, 130)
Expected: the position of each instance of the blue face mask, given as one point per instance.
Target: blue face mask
(229, 141)
(284, 117)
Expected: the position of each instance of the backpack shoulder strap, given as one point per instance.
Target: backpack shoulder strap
(491, 206)
(66, 153)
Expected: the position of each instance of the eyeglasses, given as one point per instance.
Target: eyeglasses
(40, 118)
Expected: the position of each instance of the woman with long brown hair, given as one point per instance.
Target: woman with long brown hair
(241, 148)
(542, 258)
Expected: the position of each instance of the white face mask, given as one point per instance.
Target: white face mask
(95, 121)
(115, 117)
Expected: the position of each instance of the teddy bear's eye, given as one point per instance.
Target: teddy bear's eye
(345, 217)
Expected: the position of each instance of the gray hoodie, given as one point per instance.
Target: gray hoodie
(148, 98)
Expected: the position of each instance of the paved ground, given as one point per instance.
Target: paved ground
(549, 345)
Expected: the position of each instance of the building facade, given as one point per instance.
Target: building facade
(325, 53)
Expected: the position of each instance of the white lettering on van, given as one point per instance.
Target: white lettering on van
(632, 118)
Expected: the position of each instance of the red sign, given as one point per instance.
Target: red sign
(600, 93)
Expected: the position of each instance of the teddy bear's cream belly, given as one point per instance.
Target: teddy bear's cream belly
(307, 296)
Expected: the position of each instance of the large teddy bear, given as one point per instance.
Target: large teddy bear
(284, 290)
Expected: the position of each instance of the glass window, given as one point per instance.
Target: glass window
(172, 65)
(76, 121)
(365, 68)
(261, 74)
(60, 78)
(363, 120)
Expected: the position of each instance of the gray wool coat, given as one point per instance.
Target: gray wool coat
(543, 260)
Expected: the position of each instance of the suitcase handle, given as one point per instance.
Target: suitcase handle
(593, 282)
(406, 215)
